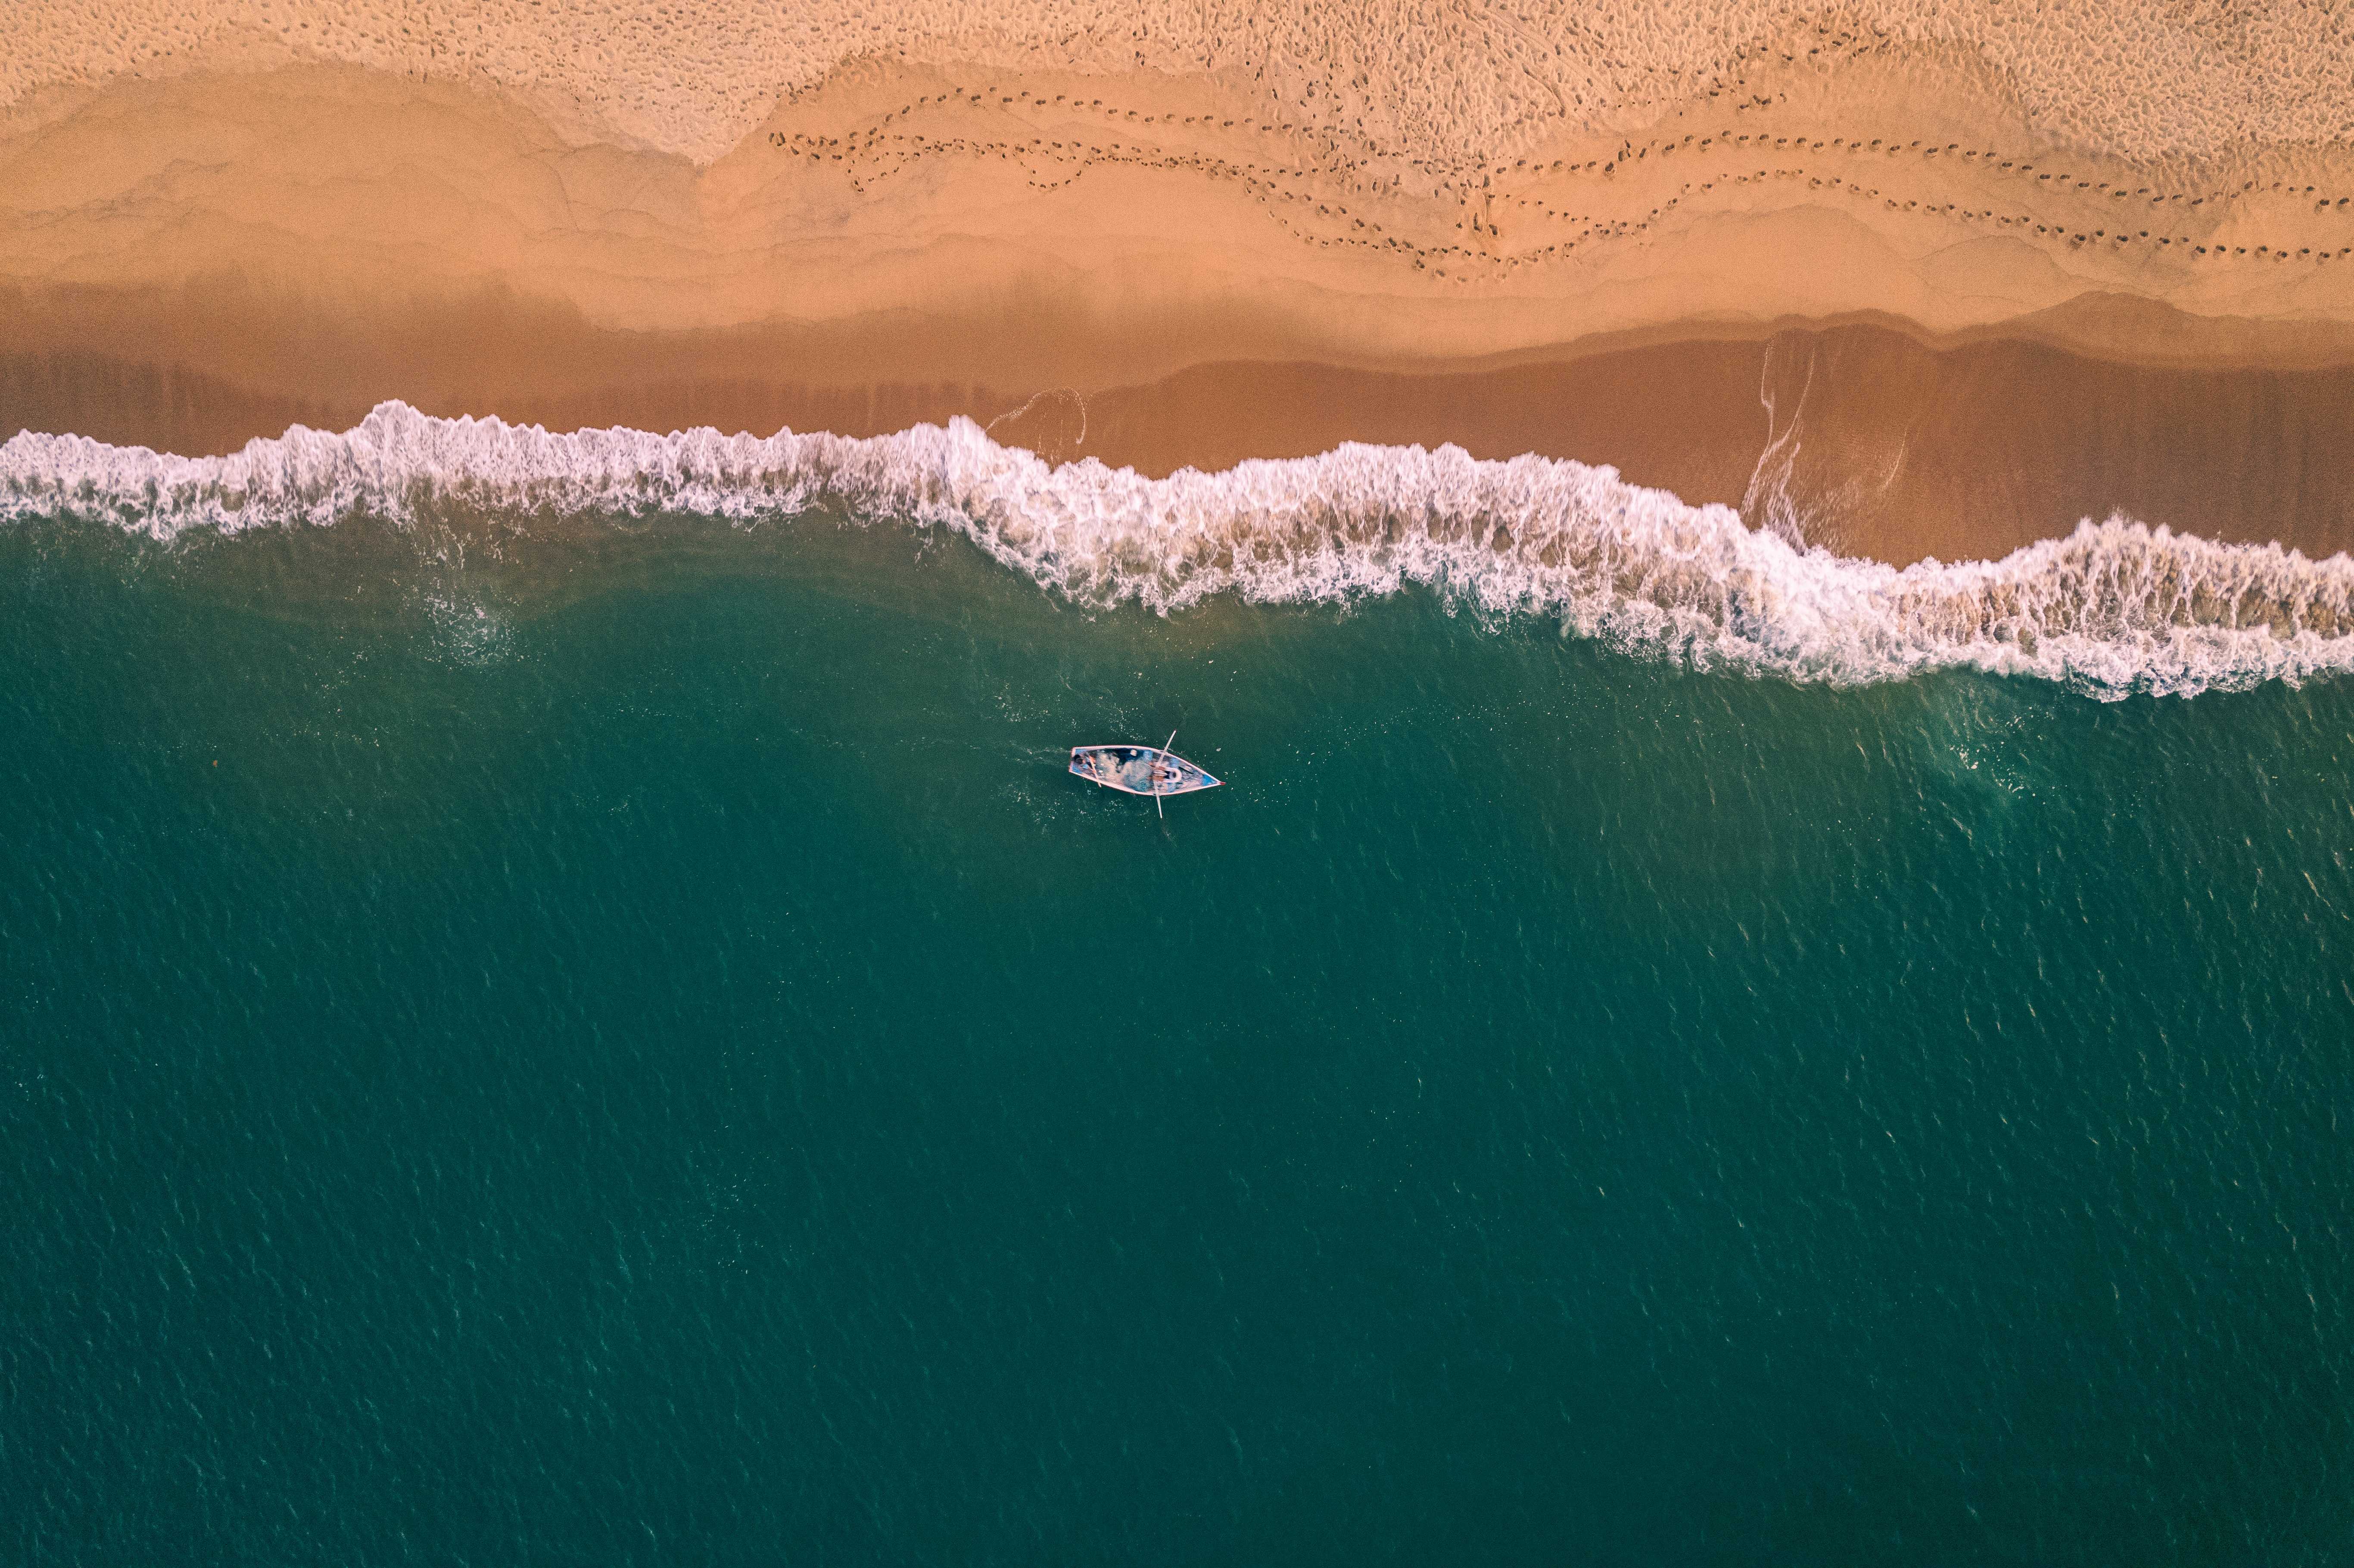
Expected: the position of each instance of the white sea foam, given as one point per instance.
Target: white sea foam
(2115, 607)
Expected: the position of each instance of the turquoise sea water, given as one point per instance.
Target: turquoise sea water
(641, 1055)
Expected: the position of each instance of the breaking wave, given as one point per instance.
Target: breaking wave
(2115, 607)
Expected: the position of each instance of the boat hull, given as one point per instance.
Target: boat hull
(1140, 770)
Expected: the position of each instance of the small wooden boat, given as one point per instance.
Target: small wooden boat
(1153, 771)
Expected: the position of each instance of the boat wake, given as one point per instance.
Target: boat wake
(2115, 607)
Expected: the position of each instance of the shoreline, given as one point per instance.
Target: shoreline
(1977, 357)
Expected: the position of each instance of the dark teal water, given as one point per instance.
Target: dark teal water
(652, 1060)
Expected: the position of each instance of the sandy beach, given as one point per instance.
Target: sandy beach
(1858, 285)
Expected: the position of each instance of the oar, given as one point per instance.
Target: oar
(1156, 783)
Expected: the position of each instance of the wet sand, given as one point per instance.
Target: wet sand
(1875, 444)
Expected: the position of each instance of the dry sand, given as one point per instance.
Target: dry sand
(1458, 81)
(1989, 319)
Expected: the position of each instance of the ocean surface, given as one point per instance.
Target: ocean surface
(558, 1006)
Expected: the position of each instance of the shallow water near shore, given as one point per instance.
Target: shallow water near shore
(650, 1057)
(2111, 609)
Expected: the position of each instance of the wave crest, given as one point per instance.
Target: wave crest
(2115, 607)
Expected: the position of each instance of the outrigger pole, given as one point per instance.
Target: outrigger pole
(1156, 796)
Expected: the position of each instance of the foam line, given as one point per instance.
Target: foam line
(2115, 607)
